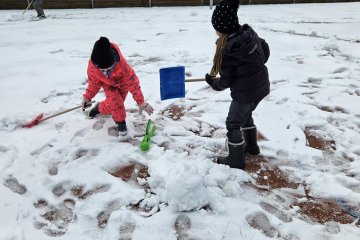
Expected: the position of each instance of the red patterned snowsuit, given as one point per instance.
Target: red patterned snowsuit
(121, 81)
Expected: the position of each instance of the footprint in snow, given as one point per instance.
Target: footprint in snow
(332, 227)
(314, 80)
(103, 216)
(53, 170)
(15, 186)
(55, 219)
(340, 70)
(278, 81)
(79, 134)
(282, 101)
(276, 212)
(44, 147)
(81, 193)
(3, 149)
(54, 94)
(182, 225)
(99, 124)
(260, 221)
(85, 152)
(126, 230)
(113, 132)
(311, 94)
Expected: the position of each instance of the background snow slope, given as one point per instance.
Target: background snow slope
(64, 178)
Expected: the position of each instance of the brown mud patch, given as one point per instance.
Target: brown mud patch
(125, 172)
(317, 142)
(322, 211)
(267, 175)
(175, 112)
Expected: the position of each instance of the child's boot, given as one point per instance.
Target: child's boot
(94, 111)
(251, 146)
(236, 157)
(122, 129)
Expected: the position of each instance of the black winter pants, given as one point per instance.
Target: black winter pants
(240, 115)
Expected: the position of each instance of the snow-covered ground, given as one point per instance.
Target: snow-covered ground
(69, 178)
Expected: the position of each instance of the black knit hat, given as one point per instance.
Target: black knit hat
(102, 56)
(224, 18)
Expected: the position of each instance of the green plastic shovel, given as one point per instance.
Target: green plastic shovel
(150, 132)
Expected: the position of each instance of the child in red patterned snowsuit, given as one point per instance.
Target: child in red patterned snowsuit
(109, 70)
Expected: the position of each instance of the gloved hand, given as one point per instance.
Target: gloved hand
(209, 79)
(85, 104)
(146, 107)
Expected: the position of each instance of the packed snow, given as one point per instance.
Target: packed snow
(70, 178)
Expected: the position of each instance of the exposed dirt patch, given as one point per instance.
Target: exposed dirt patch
(143, 173)
(124, 172)
(322, 211)
(274, 178)
(267, 175)
(254, 163)
(175, 112)
(317, 142)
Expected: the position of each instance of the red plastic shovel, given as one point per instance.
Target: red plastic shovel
(40, 117)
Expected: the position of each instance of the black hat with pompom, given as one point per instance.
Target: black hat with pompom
(102, 56)
(224, 18)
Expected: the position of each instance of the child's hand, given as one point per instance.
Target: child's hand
(209, 79)
(146, 107)
(85, 104)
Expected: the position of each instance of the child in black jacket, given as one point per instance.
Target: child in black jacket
(240, 60)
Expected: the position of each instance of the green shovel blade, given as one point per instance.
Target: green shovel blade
(150, 132)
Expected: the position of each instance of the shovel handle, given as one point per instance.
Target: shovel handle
(196, 80)
(28, 6)
(65, 111)
(59, 113)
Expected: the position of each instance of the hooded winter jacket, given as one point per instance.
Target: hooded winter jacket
(121, 80)
(243, 66)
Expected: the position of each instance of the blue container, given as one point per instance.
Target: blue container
(172, 82)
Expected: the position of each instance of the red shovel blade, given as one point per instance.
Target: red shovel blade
(34, 122)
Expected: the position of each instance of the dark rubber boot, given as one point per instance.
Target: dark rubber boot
(39, 9)
(94, 111)
(122, 129)
(236, 157)
(251, 146)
